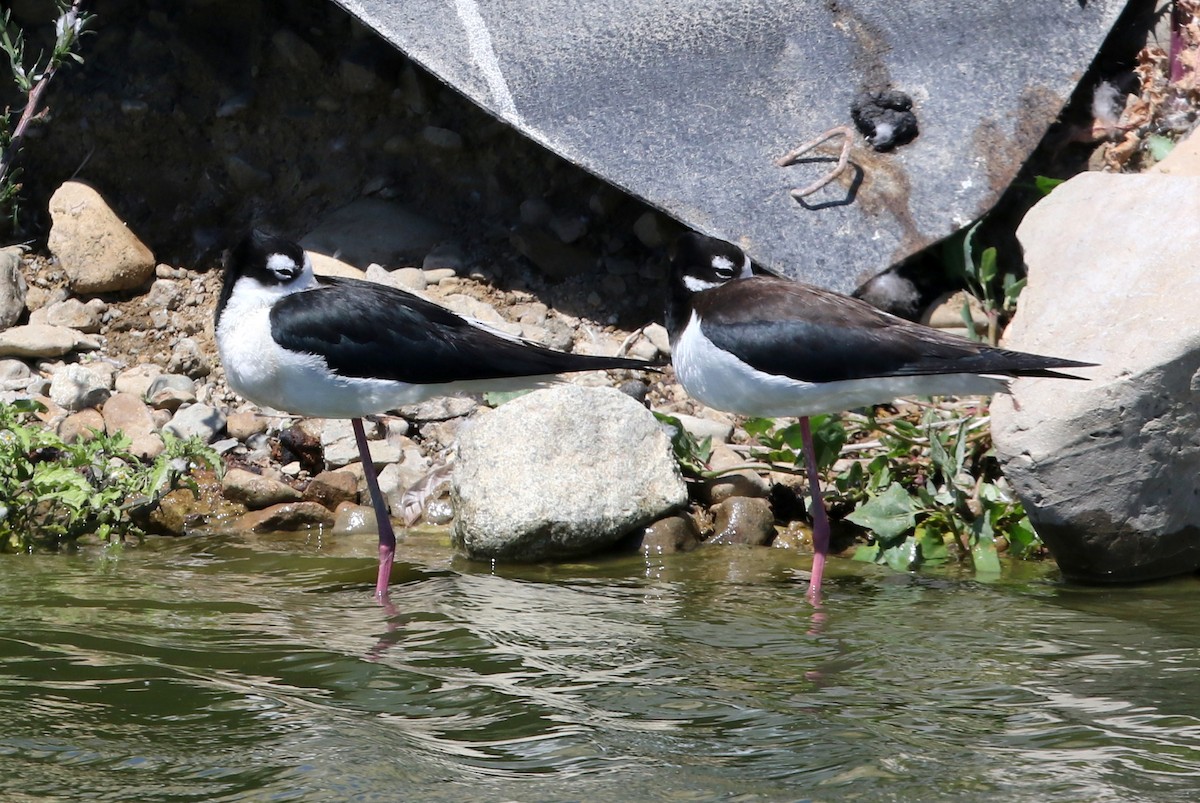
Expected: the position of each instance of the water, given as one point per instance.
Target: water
(257, 668)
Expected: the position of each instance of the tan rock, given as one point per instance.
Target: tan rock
(672, 534)
(43, 340)
(95, 248)
(136, 381)
(287, 517)
(244, 425)
(256, 491)
(742, 520)
(331, 488)
(81, 426)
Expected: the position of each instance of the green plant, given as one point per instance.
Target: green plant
(31, 80)
(995, 290)
(923, 490)
(692, 455)
(52, 492)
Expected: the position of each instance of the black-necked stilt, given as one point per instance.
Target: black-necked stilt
(764, 346)
(344, 348)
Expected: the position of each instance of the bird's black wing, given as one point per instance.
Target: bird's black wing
(364, 329)
(812, 335)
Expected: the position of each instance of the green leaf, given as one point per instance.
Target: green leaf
(692, 455)
(987, 267)
(932, 546)
(903, 557)
(792, 437)
(888, 515)
(867, 553)
(984, 557)
(1159, 146)
(829, 435)
(1045, 184)
(758, 427)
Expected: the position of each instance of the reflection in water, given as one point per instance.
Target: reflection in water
(248, 668)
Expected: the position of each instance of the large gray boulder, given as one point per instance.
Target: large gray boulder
(1108, 469)
(561, 472)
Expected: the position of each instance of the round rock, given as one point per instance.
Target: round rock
(561, 472)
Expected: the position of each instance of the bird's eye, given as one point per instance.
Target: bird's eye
(283, 267)
(723, 268)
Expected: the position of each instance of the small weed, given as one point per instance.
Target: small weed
(31, 79)
(52, 492)
(995, 290)
(692, 455)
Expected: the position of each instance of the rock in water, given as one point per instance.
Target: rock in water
(561, 472)
(1107, 469)
(96, 250)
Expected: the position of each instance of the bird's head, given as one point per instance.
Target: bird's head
(268, 260)
(702, 263)
(267, 266)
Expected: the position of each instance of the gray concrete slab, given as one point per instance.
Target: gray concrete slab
(688, 104)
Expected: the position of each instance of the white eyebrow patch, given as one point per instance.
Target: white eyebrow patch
(281, 263)
(722, 263)
(698, 285)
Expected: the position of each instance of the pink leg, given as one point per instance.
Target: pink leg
(820, 519)
(387, 536)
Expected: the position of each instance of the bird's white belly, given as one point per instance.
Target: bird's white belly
(719, 380)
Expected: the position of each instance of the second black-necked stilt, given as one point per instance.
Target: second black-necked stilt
(345, 348)
(763, 346)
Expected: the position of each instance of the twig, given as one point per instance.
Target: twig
(34, 99)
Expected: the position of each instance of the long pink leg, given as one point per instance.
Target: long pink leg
(820, 519)
(387, 536)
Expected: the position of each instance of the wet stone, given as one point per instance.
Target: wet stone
(743, 520)
(669, 535)
(256, 491)
(331, 488)
(286, 517)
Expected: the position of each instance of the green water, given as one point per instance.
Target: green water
(252, 668)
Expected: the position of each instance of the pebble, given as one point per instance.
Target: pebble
(352, 519)
(669, 535)
(341, 449)
(746, 482)
(126, 412)
(171, 391)
(75, 387)
(137, 379)
(331, 488)
(72, 313)
(245, 425)
(256, 491)
(81, 426)
(441, 408)
(43, 340)
(196, 420)
(286, 517)
(743, 520)
(187, 358)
